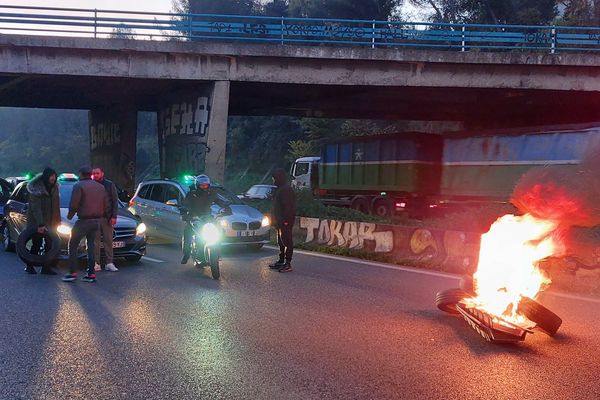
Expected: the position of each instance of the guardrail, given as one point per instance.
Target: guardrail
(295, 31)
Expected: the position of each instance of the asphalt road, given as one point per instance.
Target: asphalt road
(332, 329)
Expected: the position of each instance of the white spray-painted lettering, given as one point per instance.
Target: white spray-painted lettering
(104, 135)
(346, 234)
(185, 118)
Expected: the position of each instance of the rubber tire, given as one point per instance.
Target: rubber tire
(213, 260)
(379, 205)
(34, 259)
(446, 300)
(7, 244)
(256, 246)
(360, 204)
(133, 259)
(545, 319)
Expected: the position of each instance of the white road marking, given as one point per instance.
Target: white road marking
(425, 272)
(154, 260)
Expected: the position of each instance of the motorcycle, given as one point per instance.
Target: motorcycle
(206, 241)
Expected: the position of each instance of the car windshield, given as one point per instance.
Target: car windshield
(66, 189)
(224, 195)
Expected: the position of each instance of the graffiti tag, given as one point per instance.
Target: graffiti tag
(348, 234)
(104, 135)
(185, 118)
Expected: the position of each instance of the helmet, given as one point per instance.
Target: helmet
(202, 182)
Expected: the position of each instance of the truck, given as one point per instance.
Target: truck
(414, 172)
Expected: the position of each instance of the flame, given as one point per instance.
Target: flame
(508, 264)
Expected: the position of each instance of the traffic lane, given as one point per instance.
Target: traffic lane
(331, 329)
(385, 320)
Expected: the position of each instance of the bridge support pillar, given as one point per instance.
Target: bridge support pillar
(192, 129)
(113, 139)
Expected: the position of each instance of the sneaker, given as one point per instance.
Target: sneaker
(286, 268)
(89, 278)
(111, 267)
(97, 267)
(69, 277)
(277, 264)
(30, 270)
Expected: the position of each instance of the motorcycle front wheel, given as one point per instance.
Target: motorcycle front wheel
(213, 260)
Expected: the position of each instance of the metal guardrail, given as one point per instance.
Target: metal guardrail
(297, 31)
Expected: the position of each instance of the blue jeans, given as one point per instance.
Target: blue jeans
(84, 228)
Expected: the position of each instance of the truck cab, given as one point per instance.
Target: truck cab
(305, 173)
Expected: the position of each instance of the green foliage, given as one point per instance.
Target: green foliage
(343, 9)
(301, 148)
(529, 12)
(235, 7)
(308, 206)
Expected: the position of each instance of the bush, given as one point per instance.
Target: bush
(308, 206)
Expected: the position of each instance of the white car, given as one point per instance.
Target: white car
(158, 203)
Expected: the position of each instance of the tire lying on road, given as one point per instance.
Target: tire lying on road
(446, 300)
(467, 284)
(48, 257)
(545, 319)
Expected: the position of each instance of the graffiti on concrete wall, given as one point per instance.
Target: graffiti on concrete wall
(185, 118)
(348, 234)
(103, 135)
(453, 249)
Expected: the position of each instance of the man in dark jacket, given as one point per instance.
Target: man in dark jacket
(107, 223)
(90, 202)
(197, 203)
(43, 212)
(283, 215)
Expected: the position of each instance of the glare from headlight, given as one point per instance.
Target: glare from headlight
(141, 229)
(210, 234)
(64, 230)
(223, 223)
(265, 222)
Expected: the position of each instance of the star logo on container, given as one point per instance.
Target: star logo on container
(358, 155)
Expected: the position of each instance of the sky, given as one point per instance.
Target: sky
(125, 5)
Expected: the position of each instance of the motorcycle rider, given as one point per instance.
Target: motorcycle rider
(197, 203)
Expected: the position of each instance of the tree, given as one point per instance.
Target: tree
(276, 8)
(343, 9)
(528, 12)
(234, 7)
(122, 32)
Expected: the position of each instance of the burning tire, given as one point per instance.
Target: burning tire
(446, 300)
(545, 319)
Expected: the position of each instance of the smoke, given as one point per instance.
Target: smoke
(570, 196)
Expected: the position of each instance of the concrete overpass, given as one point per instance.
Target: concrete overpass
(195, 86)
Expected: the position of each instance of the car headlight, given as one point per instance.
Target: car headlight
(265, 222)
(141, 229)
(64, 230)
(210, 234)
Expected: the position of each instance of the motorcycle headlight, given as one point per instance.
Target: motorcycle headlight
(64, 230)
(210, 234)
(141, 229)
(223, 223)
(265, 222)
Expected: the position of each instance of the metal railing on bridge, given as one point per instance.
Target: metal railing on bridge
(295, 31)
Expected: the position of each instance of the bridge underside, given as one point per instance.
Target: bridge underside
(485, 108)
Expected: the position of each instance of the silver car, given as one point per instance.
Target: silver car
(158, 203)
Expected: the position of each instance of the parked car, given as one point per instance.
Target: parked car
(258, 192)
(129, 240)
(158, 203)
(15, 180)
(5, 190)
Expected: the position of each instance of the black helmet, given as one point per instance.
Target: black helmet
(202, 182)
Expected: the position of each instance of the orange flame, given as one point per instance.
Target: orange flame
(508, 264)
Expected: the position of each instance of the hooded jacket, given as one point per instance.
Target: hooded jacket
(284, 201)
(44, 206)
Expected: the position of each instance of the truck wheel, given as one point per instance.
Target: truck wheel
(361, 204)
(545, 319)
(446, 300)
(382, 208)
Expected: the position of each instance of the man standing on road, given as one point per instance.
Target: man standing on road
(43, 212)
(284, 215)
(107, 223)
(90, 202)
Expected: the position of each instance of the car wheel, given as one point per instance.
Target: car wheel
(7, 244)
(256, 246)
(133, 259)
(446, 300)
(545, 319)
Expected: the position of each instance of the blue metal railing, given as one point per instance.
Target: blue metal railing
(297, 31)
